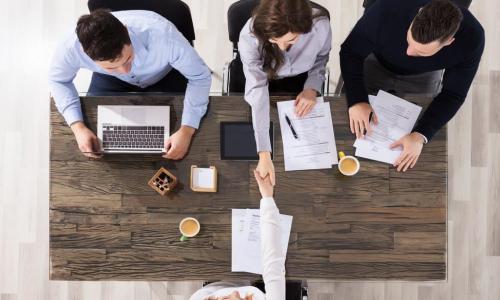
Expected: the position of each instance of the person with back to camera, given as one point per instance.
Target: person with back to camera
(284, 38)
(273, 258)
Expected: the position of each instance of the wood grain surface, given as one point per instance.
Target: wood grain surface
(106, 223)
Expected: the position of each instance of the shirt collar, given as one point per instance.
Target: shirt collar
(140, 51)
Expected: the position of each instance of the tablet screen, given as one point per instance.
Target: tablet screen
(237, 141)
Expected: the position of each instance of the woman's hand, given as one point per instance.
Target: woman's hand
(266, 167)
(265, 186)
(305, 102)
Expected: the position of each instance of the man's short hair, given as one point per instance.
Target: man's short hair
(102, 35)
(439, 20)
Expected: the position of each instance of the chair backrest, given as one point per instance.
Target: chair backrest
(239, 13)
(463, 3)
(175, 11)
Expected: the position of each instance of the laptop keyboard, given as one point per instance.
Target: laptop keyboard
(132, 137)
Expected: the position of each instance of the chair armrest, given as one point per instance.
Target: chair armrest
(225, 78)
(326, 84)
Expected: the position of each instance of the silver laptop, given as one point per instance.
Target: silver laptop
(133, 128)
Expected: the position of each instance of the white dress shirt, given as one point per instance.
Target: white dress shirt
(273, 260)
(310, 53)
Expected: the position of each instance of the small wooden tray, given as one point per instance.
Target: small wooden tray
(212, 189)
(163, 181)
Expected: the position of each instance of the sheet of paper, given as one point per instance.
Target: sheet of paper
(376, 152)
(314, 147)
(245, 242)
(396, 118)
(203, 177)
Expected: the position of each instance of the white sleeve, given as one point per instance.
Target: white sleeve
(273, 258)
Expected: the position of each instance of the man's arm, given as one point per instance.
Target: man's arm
(62, 71)
(456, 83)
(273, 258)
(358, 45)
(186, 60)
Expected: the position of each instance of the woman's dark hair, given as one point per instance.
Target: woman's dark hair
(102, 35)
(437, 21)
(275, 18)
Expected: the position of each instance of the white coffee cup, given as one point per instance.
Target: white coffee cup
(348, 165)
(189, 232)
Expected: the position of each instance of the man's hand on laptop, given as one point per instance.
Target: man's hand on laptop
(178, 144)
(87, 140)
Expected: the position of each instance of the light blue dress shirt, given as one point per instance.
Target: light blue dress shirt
(158, 47)
(310, 53)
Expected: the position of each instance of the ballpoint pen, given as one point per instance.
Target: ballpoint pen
(291, 127)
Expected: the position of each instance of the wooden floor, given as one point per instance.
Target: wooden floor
(29, 30)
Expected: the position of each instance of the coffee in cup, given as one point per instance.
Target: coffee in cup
(189, 227)
(348, 165)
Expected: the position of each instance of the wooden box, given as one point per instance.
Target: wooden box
(163, 181)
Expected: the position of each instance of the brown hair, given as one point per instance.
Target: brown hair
(275, 18)
(439, 20)
(102, 35)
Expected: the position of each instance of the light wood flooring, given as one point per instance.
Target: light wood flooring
(29, 31)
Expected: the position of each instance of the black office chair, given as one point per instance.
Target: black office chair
(175, 11)
(463, 3)
(295, 289)
(237, 16)
(340, 89)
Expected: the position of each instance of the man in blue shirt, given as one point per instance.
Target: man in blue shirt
(129, 51)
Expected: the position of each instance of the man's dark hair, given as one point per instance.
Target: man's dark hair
(102, 35)
(437, 21)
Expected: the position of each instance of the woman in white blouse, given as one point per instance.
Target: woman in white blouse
(273, 258)
(284, 38)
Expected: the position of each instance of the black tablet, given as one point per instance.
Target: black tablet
(237, 141)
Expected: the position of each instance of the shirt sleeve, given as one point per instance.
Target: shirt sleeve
(316, 76)
(456, 83)
(256, 88)
(186, 60)
(358, 45)
(273, 258)
(62, 71)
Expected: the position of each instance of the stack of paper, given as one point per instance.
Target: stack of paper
(396, 118)
(245, 248)
(313, 145)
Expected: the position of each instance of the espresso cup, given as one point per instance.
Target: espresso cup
(189, 227)
(348, 165)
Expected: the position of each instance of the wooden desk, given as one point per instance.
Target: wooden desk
(107, 224)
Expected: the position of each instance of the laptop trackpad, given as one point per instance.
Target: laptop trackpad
(134, 115)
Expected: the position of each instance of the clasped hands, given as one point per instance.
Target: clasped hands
(412, 144)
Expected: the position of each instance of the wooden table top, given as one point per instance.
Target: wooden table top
(106, 223)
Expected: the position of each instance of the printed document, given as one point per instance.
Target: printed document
(313, 145)
(245, 241)
(396, 118)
